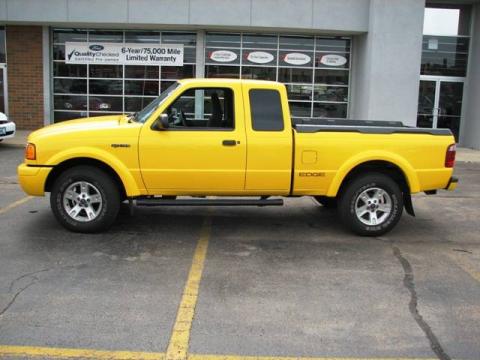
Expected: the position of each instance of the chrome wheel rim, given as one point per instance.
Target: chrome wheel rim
(82, 201)
(373, 206)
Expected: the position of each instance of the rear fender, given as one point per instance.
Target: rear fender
(364, 157)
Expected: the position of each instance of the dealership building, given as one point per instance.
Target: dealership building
(396, 60)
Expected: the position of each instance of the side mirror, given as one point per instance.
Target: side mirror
(161, 123)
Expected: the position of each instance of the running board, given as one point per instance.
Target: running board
(209, 202)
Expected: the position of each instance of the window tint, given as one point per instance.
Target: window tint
(202, 108)
(266, 110)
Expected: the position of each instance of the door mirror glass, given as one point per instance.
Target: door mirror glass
(161, 123)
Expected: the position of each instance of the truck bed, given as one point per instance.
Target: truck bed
(313, 125)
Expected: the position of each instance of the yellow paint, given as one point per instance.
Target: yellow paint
(269, 153)
(63, 353)
(179, 340)
(195, 162)
(14, 204)
(239, 357)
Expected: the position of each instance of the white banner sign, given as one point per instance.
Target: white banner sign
(333, 60)
(128, 54)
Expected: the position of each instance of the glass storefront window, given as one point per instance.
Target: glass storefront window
(3, 50)
(445, 55)
(87, 90)
(315, 70)
(445, 49)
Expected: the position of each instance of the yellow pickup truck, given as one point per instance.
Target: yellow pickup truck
(233, 140)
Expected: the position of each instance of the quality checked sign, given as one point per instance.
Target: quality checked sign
(119, 54)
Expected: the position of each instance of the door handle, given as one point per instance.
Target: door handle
(230, 142)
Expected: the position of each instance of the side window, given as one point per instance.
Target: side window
(201, 108)
(266, 110)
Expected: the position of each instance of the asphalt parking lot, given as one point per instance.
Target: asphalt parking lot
(171, 283)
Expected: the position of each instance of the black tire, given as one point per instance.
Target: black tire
(350, 201)
(327, 202)
(99, 181)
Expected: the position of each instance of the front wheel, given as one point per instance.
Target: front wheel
(371, 205)
(85, 199)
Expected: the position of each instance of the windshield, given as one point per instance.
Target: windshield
(144, 114)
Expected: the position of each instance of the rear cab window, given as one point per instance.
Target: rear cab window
(266, 110)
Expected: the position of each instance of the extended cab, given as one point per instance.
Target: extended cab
(235, 140)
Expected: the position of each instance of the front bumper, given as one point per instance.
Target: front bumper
(7, 130)
(452, 184)
(32, 179)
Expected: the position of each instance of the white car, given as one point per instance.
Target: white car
(7, 128)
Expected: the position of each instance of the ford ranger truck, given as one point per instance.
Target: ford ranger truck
(233, 140)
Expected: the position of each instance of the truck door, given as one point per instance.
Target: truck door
(203, 151)
(269, 139)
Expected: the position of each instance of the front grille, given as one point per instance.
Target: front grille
(8, 133)
(3, 121)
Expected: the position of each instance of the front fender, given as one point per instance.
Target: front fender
(367, 156)
(129, 183)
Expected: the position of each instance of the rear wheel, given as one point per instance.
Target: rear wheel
(85, 199)
(371, 204)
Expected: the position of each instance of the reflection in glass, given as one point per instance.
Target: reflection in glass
(3, 49)
(179, 38)
(69, 70)
(106, 71)
(450, 122)
(426, 97)
(338, 111)
(133, 104)
(58, 52)
(223, 40)
(333, 45)
(451, 94)
(255, 41)
(105, 103)
(425, 121)
(151, 37)
(70, 86)
(218, 71)
(69, 102)
(178, 72)
(141, 87)
(141, 72)
(105, 36)
(259, 73)
(108, 87)
(333, 77)
(164, 85)
(63, 35)
(330, 93)
(297, 42)
(295, 75)
(299, 92)
(300, 109)
(59, 116)
(444, 55)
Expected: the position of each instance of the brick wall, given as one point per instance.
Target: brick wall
(25, 76)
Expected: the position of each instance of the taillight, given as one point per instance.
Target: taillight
(450, 156)
(30, 153)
